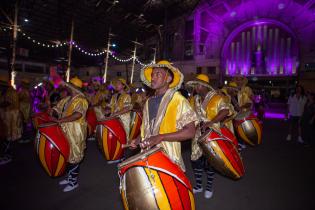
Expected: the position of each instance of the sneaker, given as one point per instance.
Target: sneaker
(91, 139)
(289, 137)
(113, 161)
(5, 159)
(208, 194)
(300, 140)
(63, 182)
(197, 190)
(70, 187)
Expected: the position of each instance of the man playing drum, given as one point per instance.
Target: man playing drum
(168, 118)
(71, 111)
(213, 109)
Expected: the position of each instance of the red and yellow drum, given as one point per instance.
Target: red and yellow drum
(220, 148)
(135, 124)
(248, 128)
(52, 149)
(91, 120)
(111, 135)
(150, 180)
(40, 118)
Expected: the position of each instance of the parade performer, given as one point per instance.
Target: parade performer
(71, 111)
(213, 109)
(120, 103)
(168, 118)
(244, 95)
(25, 108)
(99, 101)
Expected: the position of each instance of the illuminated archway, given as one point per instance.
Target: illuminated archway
(261, 47)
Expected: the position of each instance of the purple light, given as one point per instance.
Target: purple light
(266, 46)
(273, 115)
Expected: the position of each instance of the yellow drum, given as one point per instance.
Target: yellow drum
(248, 128)
(150, 180)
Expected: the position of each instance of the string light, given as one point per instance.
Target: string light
(77, 47)
(142, 64)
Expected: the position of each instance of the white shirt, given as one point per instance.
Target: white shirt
(296, 105)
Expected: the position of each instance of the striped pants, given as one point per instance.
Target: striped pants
(199, 166)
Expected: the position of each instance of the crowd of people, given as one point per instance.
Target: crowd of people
(169, 116)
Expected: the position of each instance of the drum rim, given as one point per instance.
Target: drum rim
(247, 113)
(48, 124)
(139, 156)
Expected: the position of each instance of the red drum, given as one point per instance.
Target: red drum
(150, 180)
(135, 124)
(220, 148)
(91, 120)
(52, 148)
(40, 118)
(248, 128)
(111, 135)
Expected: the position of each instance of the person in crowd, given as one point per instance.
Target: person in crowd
(71, 113)
(296, 103)
(213, 110)
(25, 109)
(308, 120)
(11, 117)
(168, 118)
(120, 103)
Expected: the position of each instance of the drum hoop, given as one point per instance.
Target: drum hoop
(139, 156)
(246, 114)
(48, 124)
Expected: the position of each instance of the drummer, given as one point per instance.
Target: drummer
(120, 103)
(213, 110)
(168, 118)
(71, 111)
(244, 94)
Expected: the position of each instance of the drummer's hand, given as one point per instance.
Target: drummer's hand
(205, 126)
(134, 143)
(53, 119)
(151, 141)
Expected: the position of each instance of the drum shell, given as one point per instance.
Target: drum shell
(249, 129)
(40, 118)
(222, 153)
(155, 182)
(135, 124)
(110, 135)
(52, 150)
(91, 121)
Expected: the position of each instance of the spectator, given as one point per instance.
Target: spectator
(307, 119)
(296, 104)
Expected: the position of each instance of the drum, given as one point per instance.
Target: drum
(52, 149)
(135, 124)
(248, 128)
(40, 118)
(111, 135)
(150, 180)
(91, 120)
(220, 149)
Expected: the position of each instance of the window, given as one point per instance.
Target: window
(118, 74)
(199, 70)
